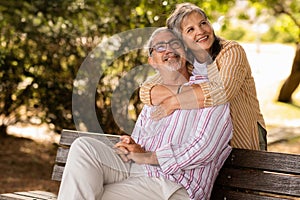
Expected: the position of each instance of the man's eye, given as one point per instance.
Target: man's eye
(175, 44)
(160, 48)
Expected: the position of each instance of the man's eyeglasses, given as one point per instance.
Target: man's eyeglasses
(162, 46)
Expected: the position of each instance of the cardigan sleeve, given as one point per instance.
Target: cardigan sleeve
(226, 75)
(146, 87)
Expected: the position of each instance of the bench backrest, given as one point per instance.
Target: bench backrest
(246, 174)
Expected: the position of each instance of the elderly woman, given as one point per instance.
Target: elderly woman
(229, 73)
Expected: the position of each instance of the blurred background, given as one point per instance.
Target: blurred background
(43, 44)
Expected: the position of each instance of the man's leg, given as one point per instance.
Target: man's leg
(144, 188)
(180, 194)
(90, 165)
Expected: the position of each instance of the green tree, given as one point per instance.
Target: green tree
(288, 15)
(43, 43)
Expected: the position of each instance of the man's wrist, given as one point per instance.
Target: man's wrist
(151, 158)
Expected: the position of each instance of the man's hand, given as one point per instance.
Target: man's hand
(121, 147)
(129, 150)
(127, 146)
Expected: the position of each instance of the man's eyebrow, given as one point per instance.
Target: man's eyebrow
(165, 42)
(161, 42)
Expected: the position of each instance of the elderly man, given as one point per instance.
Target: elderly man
(176, 157)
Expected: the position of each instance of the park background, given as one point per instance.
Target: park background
(43, 44)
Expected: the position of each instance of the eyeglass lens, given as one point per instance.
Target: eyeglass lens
(161, 47)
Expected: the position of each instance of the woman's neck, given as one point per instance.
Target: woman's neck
(203, 57)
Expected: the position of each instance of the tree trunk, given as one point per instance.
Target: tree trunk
(3, 130)
(292, 81)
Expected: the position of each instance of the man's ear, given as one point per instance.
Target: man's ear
(150, 62)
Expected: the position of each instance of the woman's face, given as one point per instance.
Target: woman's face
(197, 32)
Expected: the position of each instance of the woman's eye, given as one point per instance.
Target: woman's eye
(189, 30)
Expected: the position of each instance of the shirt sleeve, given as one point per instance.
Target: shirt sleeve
(146, 87)
(226, 75)
(213, 135)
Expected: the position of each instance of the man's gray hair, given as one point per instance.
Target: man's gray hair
(154, 33)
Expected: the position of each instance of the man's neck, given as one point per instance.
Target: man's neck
(175, 77)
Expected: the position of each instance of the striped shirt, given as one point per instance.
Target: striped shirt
(191, 146)
(230, 80)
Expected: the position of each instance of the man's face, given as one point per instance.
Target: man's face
(167, 53)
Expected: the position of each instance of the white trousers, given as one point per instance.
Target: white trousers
(95, 172)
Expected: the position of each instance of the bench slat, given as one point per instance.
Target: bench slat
(265, 160)
(277, 183)
(221, 194)
(30, 195)
(57, 172)
(68, 137)
(43, 194)
(37, 195)
(61, 155)
(11, 196)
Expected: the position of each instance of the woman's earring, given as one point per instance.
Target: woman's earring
(185, 48)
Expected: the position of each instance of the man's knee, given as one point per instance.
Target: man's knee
(81, 147)
(78, 143)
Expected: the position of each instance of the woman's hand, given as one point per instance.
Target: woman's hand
(159, 93)
(161, 111)
(167, 107)
(191, 97)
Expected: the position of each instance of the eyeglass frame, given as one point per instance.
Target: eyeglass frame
(170, 43)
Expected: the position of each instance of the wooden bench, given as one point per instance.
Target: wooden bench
(246, 174)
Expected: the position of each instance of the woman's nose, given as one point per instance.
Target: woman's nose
(199, 30)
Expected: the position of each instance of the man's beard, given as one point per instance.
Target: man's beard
(173, 65)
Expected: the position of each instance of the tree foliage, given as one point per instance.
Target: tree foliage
(287, 15)
(43, 44)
